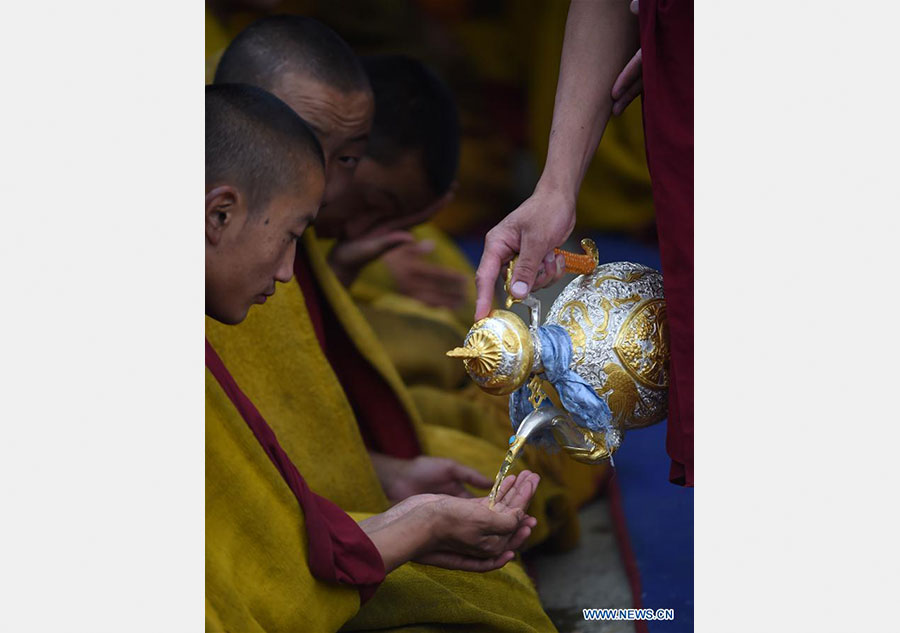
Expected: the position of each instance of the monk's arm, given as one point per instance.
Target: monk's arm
(401, 540)
(601, 36)
(455, 533)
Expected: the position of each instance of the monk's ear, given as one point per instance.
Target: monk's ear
(222, 207)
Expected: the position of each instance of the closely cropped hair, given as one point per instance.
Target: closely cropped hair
(414, 111)
(272, 46)
(256, 142)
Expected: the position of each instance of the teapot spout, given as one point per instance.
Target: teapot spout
(541, 419)
(583, 445)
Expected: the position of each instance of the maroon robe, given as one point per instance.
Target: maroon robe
(383, 422)
(667, 44)
(339, 550)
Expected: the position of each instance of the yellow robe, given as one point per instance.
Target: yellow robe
(258, 578)
(276, 359)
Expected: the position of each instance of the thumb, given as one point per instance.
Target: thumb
(503, 521)
(526, 271)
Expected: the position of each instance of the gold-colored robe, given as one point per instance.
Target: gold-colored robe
(275, 357)
(258, 578)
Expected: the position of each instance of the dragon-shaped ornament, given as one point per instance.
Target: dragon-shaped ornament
(616, 379)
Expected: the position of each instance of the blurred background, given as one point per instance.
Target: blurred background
(501, 60)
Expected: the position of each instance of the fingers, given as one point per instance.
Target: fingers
(488, 564)
(559, 269)
(628, 84)
(471, 476)
(452, 560)
(552, 269)
(501, 523)
(630, 95)
(525, 271)
(519, 496)
(629, 74)
(496, 252)
(505, 486)
(361, 251)
(519, 538)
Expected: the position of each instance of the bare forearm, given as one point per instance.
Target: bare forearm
(400, 540)
(601, 36)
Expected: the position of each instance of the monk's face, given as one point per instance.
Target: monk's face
(341, 121)
(382, 198)
(247, 252)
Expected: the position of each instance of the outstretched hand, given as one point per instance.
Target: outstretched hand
(348, 257)
(418, 278)
(402, 478)
(456, 533)
(480, 538)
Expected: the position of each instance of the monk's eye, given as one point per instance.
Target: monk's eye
(349, 161)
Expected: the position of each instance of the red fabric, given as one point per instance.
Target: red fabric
(339, 550)
(383, 422)
(667, 44)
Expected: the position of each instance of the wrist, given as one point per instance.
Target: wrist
(562, 190)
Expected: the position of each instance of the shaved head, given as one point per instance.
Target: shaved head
(309, 67)
(276, 45)
(414, 112)
(256, 142)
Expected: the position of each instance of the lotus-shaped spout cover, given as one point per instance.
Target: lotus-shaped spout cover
(499, 352)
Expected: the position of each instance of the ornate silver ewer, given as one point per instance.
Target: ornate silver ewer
(608, 363)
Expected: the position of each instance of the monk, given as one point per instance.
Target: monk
(307, 65)
(406, 175)
(354, 398)
(279, 556)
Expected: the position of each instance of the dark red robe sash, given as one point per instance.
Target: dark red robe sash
(383, 422)
(339, 550)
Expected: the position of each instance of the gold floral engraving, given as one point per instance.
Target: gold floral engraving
(571, 316)
(600, 332)
(643, 344)
(623, 393)
(511, 341)
(634, 275)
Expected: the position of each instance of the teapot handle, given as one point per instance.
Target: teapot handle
(576, 263)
